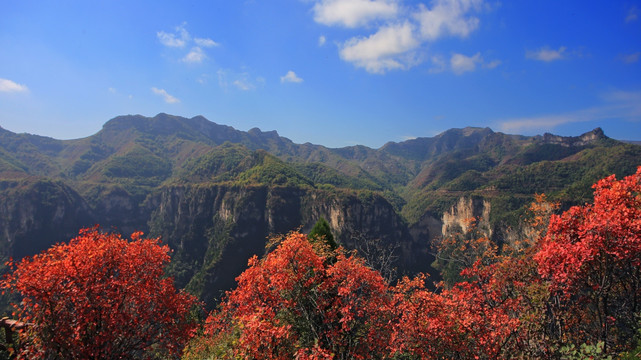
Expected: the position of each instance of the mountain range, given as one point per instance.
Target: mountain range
(214, 193)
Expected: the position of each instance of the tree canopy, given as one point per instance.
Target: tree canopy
(569, 288)
(100, 297)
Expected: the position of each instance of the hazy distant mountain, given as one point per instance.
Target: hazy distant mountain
(215, 193)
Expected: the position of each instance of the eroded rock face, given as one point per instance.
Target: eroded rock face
(582, 140)
(216, 229)
(35, 214)
(464, 213)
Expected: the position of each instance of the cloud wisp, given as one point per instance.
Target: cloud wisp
(180, 38)
(632, 15)
(397, 32)
(624, 105)
(290, 77)
(195, 56)
(8, 86)
(461, 63)
(166, 97)
(546, 54)
(203, 42)
(631, 58)
(229, 79)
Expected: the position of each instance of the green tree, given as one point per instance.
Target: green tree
(322, 231)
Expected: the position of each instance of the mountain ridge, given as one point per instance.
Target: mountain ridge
(214, 193)
(127, 121)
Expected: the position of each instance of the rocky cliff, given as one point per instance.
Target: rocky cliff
(215, 229)
(37, 213)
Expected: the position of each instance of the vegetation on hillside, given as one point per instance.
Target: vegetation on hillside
(420, 177)
(568, 288)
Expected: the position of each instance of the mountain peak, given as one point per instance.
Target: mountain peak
(468, 131)
(258, 132)
(587, 138)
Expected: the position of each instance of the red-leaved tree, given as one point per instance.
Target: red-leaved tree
(300, 302)
(100, 297)
(591, 257)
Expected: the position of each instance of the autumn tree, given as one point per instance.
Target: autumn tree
(100, 297)
(591, 257)
(295, 304)
(494, 314)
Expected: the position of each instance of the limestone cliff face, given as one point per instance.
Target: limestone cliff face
(215, 229)
(568, 141)
(463, 213)
(435, 226)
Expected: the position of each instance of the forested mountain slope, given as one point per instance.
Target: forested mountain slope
(214, 193)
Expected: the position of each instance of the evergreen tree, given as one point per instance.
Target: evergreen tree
(322, 231)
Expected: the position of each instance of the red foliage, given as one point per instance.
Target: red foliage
(100, 297)
(297, 303)
(579, 284)
(482, 318)
(592, 257)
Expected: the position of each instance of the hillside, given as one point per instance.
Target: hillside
(214, 193)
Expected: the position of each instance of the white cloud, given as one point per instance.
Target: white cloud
(625, 105)
(353, 13)
(321, 40)
(633, 14)
(205, 42)
(631, 58)
(195, 56)
(177, 39)
(461, 63)
(399, 31)
(387, 49)
(112, 90)
(168, 98)
(9, 86)
(180, 38)
(546, 54)
(448, 17)
(290, 77)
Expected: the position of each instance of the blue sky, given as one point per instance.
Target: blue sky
(330, 72)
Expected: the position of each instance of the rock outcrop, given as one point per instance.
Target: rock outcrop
(215, 229)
